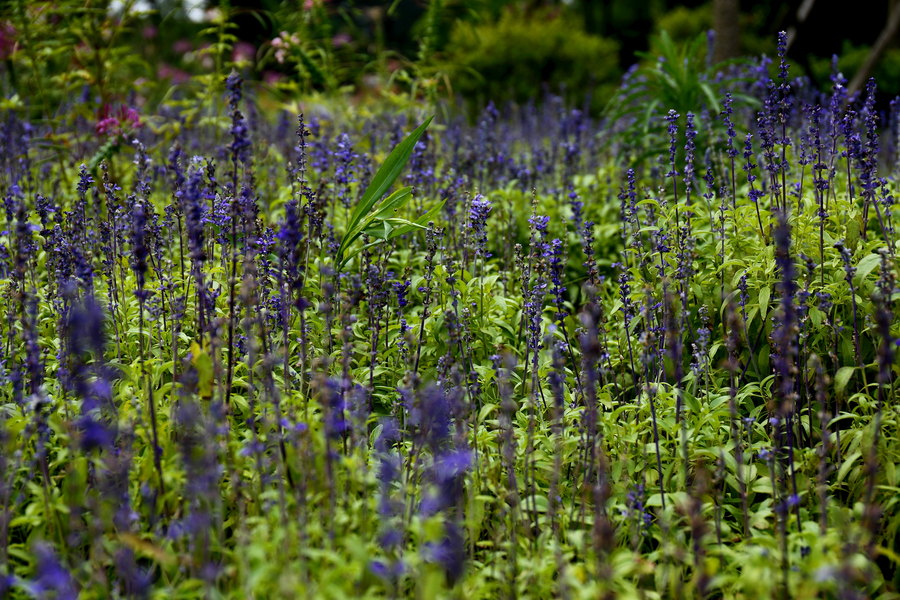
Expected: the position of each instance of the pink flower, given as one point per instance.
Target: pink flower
(118, 124)
(106, 126)
(149, 32)
(7, 40)
(165, 71)
(310, 4)
(243, 51)
(272, 77)
(129, 117)
(341, 39)
(282, 43)
(182, 46)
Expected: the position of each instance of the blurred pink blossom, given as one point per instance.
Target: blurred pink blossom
(149, 32)
(182, 46)
(285, 39)
(341, 39)
(7, 40)
(282, 43)
(243, 51)
(116, 124)
(165, 71)
(272, 77)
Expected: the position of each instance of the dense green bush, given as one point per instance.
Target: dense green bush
(676, 77)
(684, 24)
(886, 72)
(510, 59)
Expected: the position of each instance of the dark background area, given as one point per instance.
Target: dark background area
(829, 26)
(475, 50)
(818, 29)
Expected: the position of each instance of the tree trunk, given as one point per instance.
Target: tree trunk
(881, 44)
(726, 14)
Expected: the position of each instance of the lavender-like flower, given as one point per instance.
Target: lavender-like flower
(731, 151)
(849, 272)
(885, 289)
(139, 251)
(786, 326)
(344, 171)
(52, 579)
(91, 380)
(754, 194)
(690, 134)
(390, 505)
(240, 132)
(672, 119)
(558, 289)
(477, 225)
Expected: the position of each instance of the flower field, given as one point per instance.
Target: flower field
(381, 354)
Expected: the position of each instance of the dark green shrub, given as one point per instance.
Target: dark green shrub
(685, 24)
(671, 77)
(886, 72)
(511, 58)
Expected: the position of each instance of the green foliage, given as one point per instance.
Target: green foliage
(63, 48)
(851, 58)
(684, 24)
(381, 222)
(675, 77)
(509, 59)
(292, 509)
(272, 540)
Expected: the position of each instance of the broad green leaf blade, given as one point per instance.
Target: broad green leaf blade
(865, 266)
(420, 223)
(431, 214)
(842, 378)
(387, 174)
(380, 184)
(398, 227)
(393, 203)
(764, 294)
(388, 229)
(356, 251)
(349, 238)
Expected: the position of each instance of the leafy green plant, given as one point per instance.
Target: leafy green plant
(63, 48)
(380, 222)
(512, 58)
(673, 77)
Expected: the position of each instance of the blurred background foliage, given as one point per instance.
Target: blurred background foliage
(147, 52)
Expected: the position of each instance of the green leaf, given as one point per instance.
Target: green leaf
(672, 498)
(382, 181)
(390, 205)
(846, 466)
(347, 257)
(764, 295)
(398, 227)
(105, 152)
(422, 221)
(866, 266)
(842, 378)
(393, 203)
